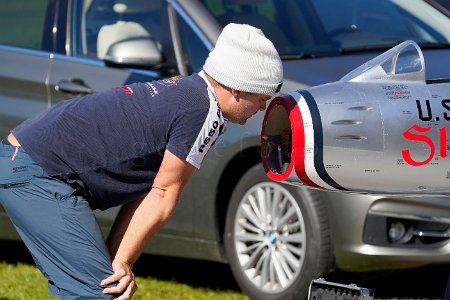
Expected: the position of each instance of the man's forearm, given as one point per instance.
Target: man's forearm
(137, 222)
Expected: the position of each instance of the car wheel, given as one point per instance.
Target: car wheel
(276, 237)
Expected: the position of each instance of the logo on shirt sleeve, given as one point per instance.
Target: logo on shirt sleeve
(127, 90)
(172, 81)
(207, 139)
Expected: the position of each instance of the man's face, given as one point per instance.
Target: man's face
(245, 106)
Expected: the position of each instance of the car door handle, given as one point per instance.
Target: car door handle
(73, 86)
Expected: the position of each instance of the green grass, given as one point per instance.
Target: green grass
(21, 282)
(24, 282)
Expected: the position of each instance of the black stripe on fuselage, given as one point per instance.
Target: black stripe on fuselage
(318, 140)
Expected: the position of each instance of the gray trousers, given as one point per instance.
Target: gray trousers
(57, 225)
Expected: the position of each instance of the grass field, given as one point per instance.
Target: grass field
(157, 278)
(24, 282)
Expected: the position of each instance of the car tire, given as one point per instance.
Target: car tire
(274, 251)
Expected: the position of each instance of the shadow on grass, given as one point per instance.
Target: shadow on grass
(14, 252)
(196, 273)
(424, 282)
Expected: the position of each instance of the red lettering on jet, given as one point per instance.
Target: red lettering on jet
(421, 137)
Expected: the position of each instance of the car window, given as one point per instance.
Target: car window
(22, 23)
(97, 24)
(356, 22)
(299, 27)
(259, 13)
(369, 16)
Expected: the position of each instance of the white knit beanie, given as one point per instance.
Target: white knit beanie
(245, 60)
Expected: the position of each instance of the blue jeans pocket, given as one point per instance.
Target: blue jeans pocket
(14, 184)
(13, 174)
(19, 171)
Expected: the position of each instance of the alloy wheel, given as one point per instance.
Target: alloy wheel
(270, 237)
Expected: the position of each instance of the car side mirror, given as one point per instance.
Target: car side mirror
(142, 52)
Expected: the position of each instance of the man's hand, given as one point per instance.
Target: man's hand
(126, 286)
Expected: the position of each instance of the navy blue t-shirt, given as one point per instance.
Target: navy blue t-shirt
(113, 142)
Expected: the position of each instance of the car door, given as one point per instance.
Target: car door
(25, 50)
(79, 69)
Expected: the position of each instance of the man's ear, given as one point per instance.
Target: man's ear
(235, 93)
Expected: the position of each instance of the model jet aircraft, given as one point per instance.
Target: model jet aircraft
(381, 129)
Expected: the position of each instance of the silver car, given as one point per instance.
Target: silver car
(275, 238)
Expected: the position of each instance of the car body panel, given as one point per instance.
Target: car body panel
(22, 92)
(87, 72)
(349, 247)
(206, 179)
